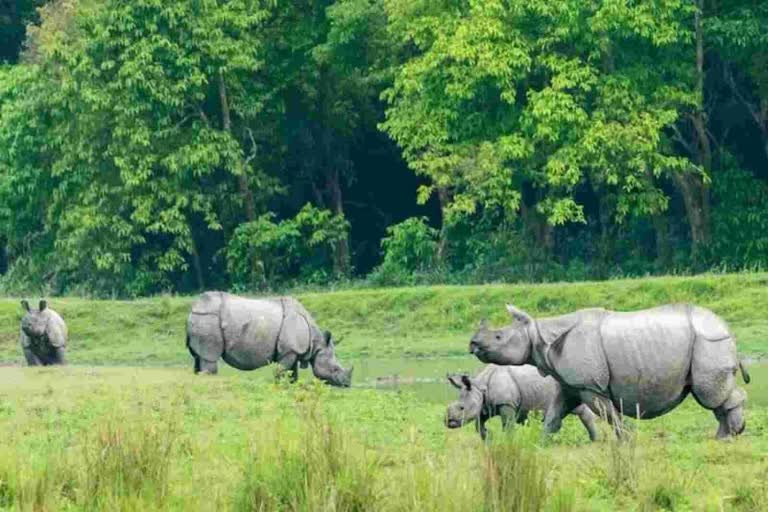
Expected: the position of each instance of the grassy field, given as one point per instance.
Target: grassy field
(128, 427)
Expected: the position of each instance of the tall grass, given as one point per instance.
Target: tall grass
(320, 467)
(514, 474)
(128, 462)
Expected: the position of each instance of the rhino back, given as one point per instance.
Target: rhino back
(250, 329)
(536, 391)
(649, 358)
(501, 387)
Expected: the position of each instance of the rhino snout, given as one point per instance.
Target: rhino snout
(473, 347)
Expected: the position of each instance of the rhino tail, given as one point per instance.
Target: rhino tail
(744, 372)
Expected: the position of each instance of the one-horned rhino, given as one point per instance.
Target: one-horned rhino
(251, 333)
(510, 392)
(43, 336)
(641, 363)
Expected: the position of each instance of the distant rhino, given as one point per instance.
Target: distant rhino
(43, 336)
(510, 392)
(251, 333)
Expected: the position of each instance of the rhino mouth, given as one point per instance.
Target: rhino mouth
(452, 423)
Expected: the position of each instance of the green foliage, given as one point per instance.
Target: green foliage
(265, 253)
(740, 220)
(501, 96)
(409, 248)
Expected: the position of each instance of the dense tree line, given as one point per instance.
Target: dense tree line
(150, 146)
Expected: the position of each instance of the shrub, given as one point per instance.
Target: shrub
(409, 248)
(264, 253)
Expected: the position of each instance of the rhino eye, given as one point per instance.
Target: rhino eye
(498, 336)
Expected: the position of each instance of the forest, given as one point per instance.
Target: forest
(152, 146)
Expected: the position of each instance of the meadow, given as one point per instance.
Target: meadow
(127, 426)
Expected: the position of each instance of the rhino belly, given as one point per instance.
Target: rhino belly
(649, 359)
(251, 328)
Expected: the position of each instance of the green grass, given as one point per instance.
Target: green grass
(146, 439)
(128, 427)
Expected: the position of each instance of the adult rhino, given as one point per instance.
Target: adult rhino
(510, 392)
(641, 363)
(43, 336)
(251, 333)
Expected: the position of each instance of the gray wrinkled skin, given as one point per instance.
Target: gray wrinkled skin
(251, 333)
(640, 364)
(43, 336)
(510, 392)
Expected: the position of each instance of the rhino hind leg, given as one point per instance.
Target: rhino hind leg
(587, 418)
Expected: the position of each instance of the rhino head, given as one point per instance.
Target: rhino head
(510, 345)
(34, 322)
(326, 367)
(469, 405)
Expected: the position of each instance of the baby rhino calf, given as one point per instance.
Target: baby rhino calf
(510, 392)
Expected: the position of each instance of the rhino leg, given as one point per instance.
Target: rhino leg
(558, 409)
(730, 415)
(290, 362)
(509, 416)
(587, 418)
(32, 359)
(59, 356)
(480, 426)
(208, 367)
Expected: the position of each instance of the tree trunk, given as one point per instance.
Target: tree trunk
(663, 247)
(226, 124)
(537, 225)
(695, 190)
(198, 268)
(692, 191)
(341, 256)
(444, 197)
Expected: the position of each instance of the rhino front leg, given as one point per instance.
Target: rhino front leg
(206, 367)
(32, 359)
(730, 415)
(560, 406)
(509, 416)
(480, 426)
(290, 362)
(59, 356)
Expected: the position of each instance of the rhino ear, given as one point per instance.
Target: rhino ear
(327, 337)
(466, 381)
(555, 330)
(519, 315)
(25, 305)
(43, 304)
(455, 380)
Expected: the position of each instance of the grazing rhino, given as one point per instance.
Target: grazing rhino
(43, 336)
(251, 333)
(510, 392)
(641, 364)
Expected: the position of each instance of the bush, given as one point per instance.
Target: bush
(265, 253)
(739, 220)
(410, 248)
